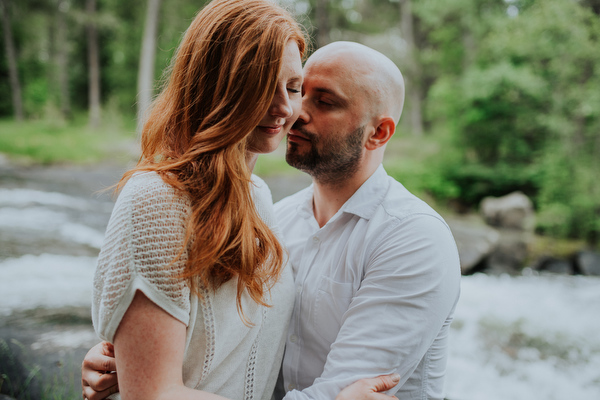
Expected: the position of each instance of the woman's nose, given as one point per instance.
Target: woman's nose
(281, 105)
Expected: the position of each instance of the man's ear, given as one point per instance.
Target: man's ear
(382, 133)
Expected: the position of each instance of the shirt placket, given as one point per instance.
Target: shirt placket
(295, 340)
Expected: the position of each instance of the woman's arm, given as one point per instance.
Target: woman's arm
(149, 350)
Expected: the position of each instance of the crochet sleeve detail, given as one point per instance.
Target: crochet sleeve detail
(145, 235)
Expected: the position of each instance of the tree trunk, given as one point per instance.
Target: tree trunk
(93, 64)
(413, 83)
(13, 72)
(147, 59)
(322, 18)
(62, 58)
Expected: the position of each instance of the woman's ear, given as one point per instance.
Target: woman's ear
(382, 133)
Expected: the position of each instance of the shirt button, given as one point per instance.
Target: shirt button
(315, 239)
(291, 386)
(299, 289)
(293, 338)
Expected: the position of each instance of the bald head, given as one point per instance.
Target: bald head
(374, 75)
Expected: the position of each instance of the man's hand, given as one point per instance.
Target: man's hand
(370, 388)
(98, 372)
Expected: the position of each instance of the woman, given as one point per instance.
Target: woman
(191, 285)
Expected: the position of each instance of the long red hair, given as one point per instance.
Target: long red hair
(222, 80)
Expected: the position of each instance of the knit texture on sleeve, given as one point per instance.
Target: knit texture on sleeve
(145, 234)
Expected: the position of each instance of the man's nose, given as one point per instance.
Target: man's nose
(304, 117)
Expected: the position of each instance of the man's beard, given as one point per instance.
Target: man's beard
(336, 159)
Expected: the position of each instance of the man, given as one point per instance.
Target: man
(376, 269)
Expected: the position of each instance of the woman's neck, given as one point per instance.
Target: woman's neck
(251, 160)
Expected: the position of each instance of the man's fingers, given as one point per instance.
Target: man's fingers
(385, 382)
(99, 363)
(101, 382)
(91, 394)
(108, 349)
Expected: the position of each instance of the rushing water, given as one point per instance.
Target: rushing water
(514, 338)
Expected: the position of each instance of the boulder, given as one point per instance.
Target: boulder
(554, 265)
(588, 262)
(475, 241)
(513, 211)
(510, 253)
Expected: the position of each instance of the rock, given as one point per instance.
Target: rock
(588, 262)
(475, 241)
(5, 397)
(513, 211)
(510, 253)
(554, 265)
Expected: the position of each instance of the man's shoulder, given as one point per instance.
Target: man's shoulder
(400, 203)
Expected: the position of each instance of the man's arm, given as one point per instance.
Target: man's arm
(409, 289)
(99, 378)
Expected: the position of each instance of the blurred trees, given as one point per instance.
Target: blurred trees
(145, 83)
(11, 59)
(93, 63)
(509, 88)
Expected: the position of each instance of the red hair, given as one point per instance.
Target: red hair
(222, 81)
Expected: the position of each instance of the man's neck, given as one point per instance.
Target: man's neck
(328, 198)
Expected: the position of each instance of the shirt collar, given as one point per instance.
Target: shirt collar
(368, 197)
(363, 202)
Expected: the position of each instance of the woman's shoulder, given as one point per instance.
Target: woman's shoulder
(149, 185)
(147, 181)
(261, 190)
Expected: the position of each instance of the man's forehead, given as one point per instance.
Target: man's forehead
(327, 75)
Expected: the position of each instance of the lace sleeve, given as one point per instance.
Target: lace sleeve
(144, 235)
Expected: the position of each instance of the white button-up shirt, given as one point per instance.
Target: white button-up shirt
(376, 289)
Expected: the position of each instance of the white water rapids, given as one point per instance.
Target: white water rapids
(514, 338)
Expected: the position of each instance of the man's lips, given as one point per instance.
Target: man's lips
(297, 136)
(271, 129)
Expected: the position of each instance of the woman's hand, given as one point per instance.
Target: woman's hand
(370, 388)
(98, 372)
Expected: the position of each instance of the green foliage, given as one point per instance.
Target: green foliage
(55, 141)
(497, 113)
(525, 113)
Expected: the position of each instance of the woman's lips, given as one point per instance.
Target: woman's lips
(271, 130)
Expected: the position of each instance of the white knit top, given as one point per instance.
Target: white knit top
(222, 356)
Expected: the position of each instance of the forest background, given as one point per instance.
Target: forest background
(502, 95)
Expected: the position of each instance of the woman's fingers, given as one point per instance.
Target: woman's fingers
(370, 388)
(384, 382)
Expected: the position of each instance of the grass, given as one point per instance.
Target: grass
(58, 141)
(26, 381)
